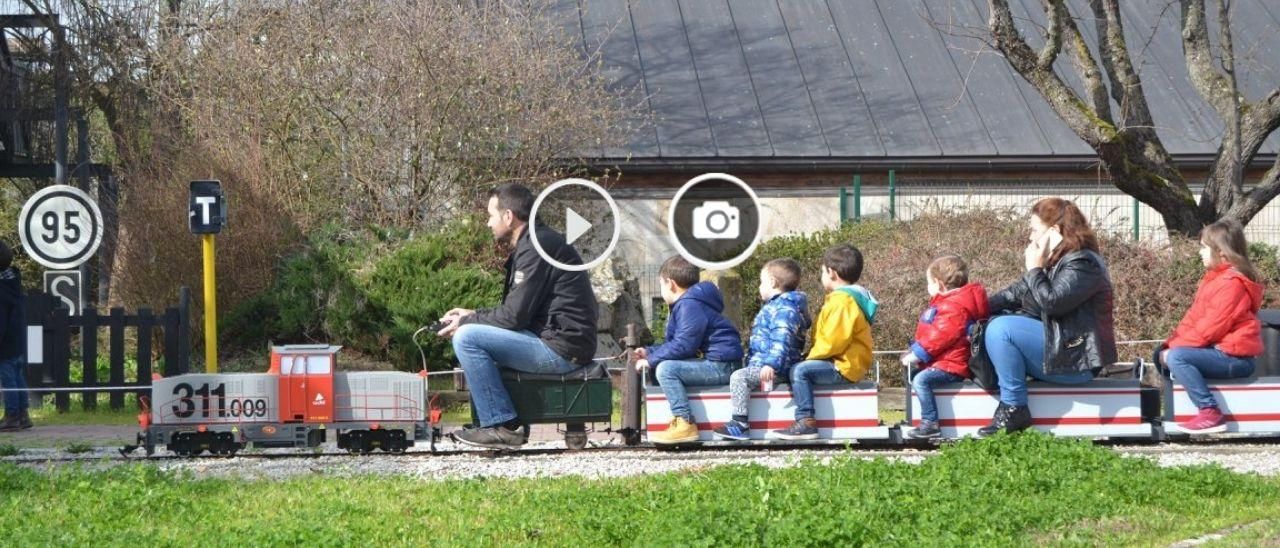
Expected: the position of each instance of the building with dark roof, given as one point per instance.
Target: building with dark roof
(844, 86)
(797, 97)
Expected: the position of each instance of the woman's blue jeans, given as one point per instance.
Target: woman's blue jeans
(1016, 346)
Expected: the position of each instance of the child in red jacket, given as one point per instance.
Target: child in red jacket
(941, 345)
(1220, 335)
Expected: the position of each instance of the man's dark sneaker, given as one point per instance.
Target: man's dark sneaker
(24, 420)
(1010, 418)
(998, 421)
(803, 429)
(10, 423)
(927, 430)
(490, 437)
(733, 430)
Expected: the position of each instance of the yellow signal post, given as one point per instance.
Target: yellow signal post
(206, 214)
(210, 306)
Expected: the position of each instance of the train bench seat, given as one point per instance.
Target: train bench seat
(1248, 403)
(843, 411)
(594, 371)
(1101, 408)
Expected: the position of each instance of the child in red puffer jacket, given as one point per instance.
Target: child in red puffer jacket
(941, 345)
(1220, 335)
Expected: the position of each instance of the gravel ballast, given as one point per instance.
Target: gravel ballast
(610, 463)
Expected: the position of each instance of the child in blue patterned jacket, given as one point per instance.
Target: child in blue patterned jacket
(777, 341)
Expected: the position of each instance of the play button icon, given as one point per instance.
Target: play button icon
(574, 225)
(584, 214)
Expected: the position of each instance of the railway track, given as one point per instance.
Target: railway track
(1216, 445)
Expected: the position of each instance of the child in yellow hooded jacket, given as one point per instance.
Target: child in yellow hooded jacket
(842, 343)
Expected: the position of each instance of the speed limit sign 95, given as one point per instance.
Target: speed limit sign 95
(60, 227)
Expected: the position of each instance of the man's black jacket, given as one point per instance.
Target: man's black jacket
(557, 305)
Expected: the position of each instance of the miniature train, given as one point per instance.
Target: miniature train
(302, 400)
(296, 403)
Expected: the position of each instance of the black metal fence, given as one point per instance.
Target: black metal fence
(50, 356)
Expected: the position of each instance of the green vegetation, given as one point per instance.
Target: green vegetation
(103, 415)
(9, 450)
(78, 447)
(102, 366)
(47, 414)
(370, 293)
(1004, 491)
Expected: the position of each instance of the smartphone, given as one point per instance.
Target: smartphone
(1052, 240)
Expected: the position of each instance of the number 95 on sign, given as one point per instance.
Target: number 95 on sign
(60, 227)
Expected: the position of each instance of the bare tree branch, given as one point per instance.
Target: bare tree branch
(1093, 127)
(1262, 194)
(1082, 58)
(1209, 83)
(1053, 37)
(1247, 124)
(1132, 151)
(1236, 172)
(1126, 86)
(1132, 154)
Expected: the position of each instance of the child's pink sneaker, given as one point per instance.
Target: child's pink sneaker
(1207, 421)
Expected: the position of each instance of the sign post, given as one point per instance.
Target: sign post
(60, 227)
(67, 286)
(206, 214)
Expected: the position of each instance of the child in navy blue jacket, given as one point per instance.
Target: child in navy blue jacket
(777, 341)
(702, 347)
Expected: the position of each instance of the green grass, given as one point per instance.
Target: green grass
(1003, 491)
(78, 447)
(47, 414)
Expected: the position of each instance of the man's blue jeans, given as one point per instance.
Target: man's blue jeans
(674, 375)
(1016, 346)
(923, 383)
(11, 376)
(1191, 366)
(483, 349)
(806, 374)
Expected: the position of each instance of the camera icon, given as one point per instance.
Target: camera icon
(715, 220)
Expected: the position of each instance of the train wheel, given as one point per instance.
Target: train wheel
(180, 444)
(397, 442)
(356, 442)
(575, 436)
(225, 444)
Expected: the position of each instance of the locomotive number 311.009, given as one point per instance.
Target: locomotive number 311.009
(215, 401)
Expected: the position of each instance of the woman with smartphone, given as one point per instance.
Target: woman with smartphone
(1055, 322)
